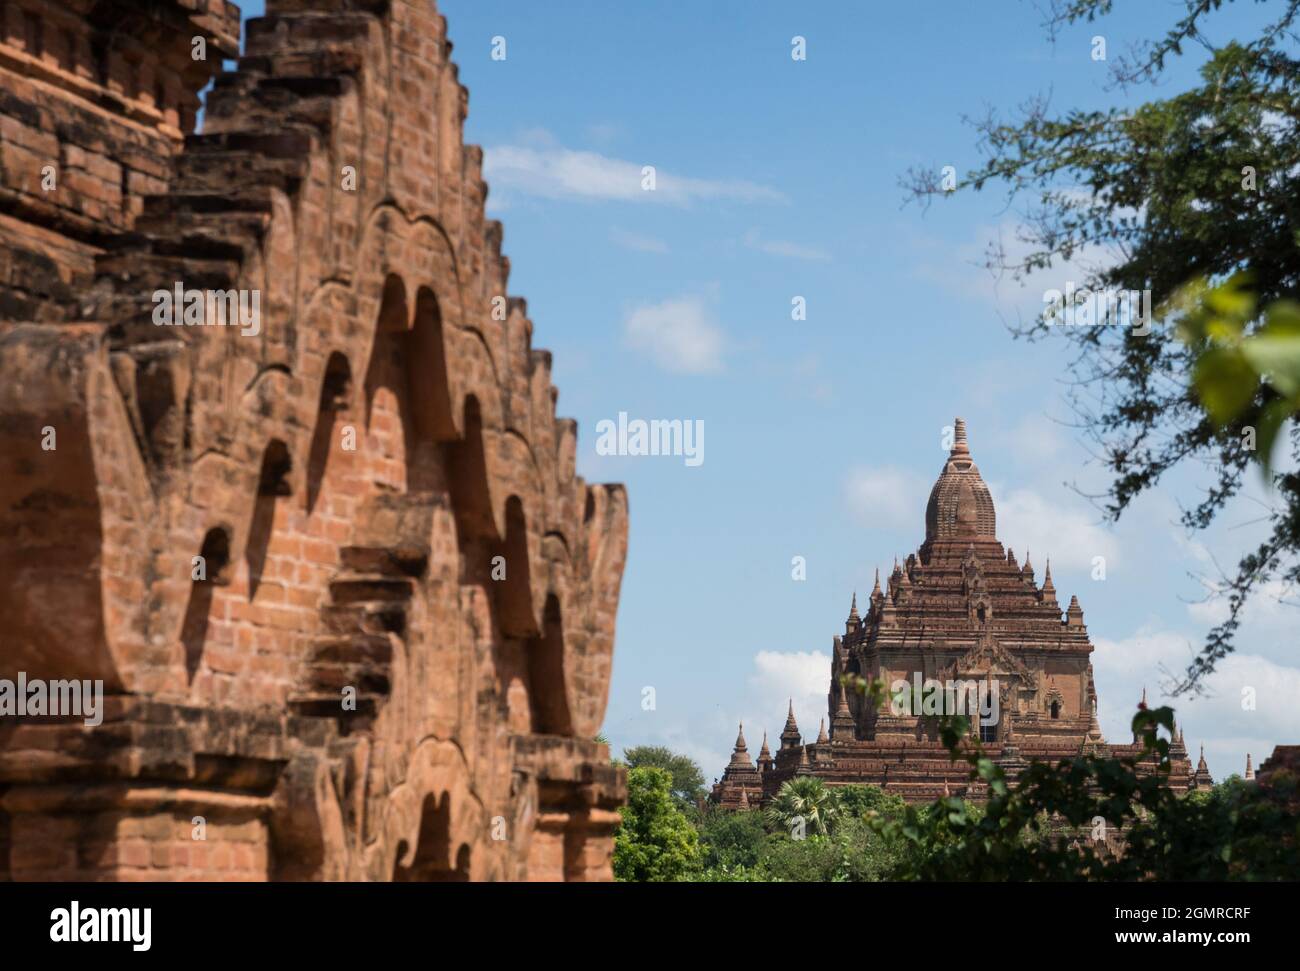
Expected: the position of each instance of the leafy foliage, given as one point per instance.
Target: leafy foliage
(1066, 821)
(1194, 187)
(687, 778)
(731, 840)
(808, 799)
(656, 841)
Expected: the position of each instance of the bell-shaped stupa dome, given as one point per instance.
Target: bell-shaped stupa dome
(960, 506)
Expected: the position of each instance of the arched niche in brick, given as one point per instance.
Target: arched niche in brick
(547, 690)
(434, 860)
(409, 360)
(209, 570)
(513, 594)
(468, 479)
(427, 358)
(335, 396)
(427, 417)
(272, 484)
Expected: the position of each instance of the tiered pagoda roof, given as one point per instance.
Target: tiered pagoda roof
(961, 608)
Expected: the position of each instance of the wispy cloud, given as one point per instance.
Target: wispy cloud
(882, 496)
(635, 241)
(680, 334)
(775, 247)
(1068, 534)
(963, 271)
(551, 171)
(781, 677)
(1248, 705)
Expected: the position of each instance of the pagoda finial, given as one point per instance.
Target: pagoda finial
(959, 446)
(875, 591)
(1094, 727)
(1047, 578)
(764, 752)
(1250, 769)
(822, 737)
(1074, 614)
(740, 757)
(1143, 704)
(790, 736)
(853, 607)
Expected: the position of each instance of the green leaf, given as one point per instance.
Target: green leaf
(1225, 382)
(1276, 357)
(1271, 419)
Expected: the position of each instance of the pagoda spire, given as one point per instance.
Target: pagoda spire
(959, 446)
(740, 755)
(843, 728)
(1250, 769)
(790, 737)
(822, 737)
(764, 752)
(1094, 726)
(1074, 614)
(876, 594)
(1202, 778)
(1047, 578)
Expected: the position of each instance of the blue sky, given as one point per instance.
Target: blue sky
(779, 179)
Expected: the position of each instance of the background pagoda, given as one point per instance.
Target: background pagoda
(961, 608)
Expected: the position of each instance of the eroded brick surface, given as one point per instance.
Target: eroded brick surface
(383, 497)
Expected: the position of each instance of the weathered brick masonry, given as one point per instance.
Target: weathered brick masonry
(356, 477)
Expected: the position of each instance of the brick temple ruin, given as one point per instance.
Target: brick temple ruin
(351, 608)
(960, 609)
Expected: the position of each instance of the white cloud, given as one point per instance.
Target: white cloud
(777, 679)
(781, 678)
(1218, 719)
(809, 379)
(1069, 535)
(1034, 438)
(881, 496)
(681, 335)
(774, 247)
(551, 171)
(635, 241)
(1273, 609)
(963, 270)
